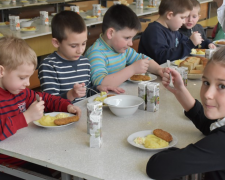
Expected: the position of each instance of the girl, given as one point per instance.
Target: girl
(207, 155)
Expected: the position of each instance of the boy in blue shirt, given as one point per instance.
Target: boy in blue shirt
(112, 60)
(161, 40)
(66, 72)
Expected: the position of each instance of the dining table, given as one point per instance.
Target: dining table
(66, 149)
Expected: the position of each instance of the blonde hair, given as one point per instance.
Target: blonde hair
(15, 52)
(218, 57)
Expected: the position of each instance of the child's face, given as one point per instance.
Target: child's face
(213, 91)
(17, 80)
(193, 18)
(74, 46)
(121, 40)
(175, 22)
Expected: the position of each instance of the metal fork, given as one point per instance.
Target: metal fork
(38, 98)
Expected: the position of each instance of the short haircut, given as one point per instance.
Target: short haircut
(67, 20)
(195, 3)
(218, 57)
(176, 6)
(15, 52)
(119, 17)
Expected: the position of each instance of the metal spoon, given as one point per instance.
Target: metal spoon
(38, 98)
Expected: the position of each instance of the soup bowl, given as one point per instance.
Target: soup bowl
(123, 105)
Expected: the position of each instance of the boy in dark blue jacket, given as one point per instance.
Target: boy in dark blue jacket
(161, 40)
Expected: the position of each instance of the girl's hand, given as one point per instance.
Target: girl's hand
(176, 78)
(74, 110)
(140, 66)
(106, 88)
(211, 46)
(35, 111)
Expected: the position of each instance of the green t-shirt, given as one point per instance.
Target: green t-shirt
(219, 33)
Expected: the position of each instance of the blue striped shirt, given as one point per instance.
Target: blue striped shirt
(105, 60)
(57, 75)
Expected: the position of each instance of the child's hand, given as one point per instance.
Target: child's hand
(140, 66)
(79, 90)
(35, 111)
(160, 71)
(74, 110)
(176, 78)
(211, 46)
(196, 38)
(106, 88)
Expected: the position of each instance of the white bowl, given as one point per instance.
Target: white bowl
(123, 105)
(26, 23)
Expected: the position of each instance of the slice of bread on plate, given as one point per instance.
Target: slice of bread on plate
(195, 66)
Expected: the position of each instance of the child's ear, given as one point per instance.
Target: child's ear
(55, 42)
(110, 33)
(2, 71)
(169, 15)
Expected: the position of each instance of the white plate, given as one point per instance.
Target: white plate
(214, 42)
(201, 55)
(152, 78)
(131, 138)
(54, 114)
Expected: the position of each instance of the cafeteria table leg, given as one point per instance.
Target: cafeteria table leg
(65, 176)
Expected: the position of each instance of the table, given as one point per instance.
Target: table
(67, 149)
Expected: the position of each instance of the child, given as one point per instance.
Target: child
(161, 40)
(191, 26)
(19, 106)
(66, 72)
(207, 155)
(112, 60)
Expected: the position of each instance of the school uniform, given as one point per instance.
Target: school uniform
(205, 156)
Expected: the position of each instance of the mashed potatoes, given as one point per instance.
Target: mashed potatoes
(151, 141)
(49, 120)
(177, 62)
(102, 97)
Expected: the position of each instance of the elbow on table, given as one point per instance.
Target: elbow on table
(154, 170)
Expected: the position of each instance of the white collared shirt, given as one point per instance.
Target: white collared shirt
(221, 15)
(217, 124)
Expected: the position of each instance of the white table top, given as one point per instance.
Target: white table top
(67, 149)
(46, 29)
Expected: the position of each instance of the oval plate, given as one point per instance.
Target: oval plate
(131, 138)
(152, 78)
(54, 114)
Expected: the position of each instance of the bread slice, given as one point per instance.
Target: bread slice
(195, 71)
(199, 67)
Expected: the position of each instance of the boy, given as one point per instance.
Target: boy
(112, 60)
(66, 72)
(18, 103)
(191, 26)
(161, 40)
